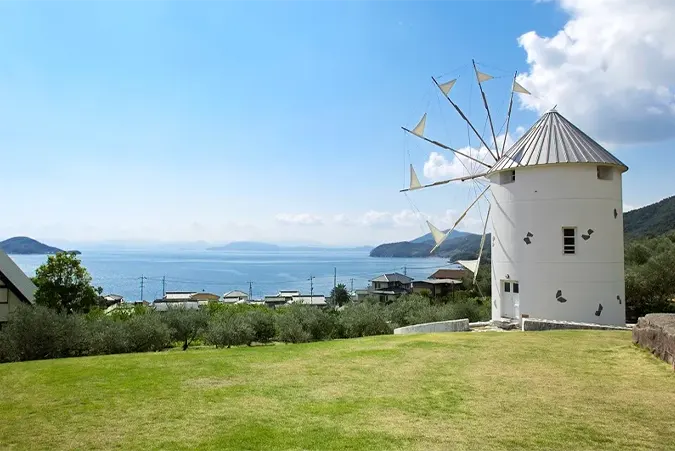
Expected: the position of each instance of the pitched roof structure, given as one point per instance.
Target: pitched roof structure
(555, 140)
(393, 277)
(235, 294)
(16, 279)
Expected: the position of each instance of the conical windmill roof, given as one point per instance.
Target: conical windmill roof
(555, 140)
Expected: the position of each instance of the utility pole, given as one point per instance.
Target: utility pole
(334, 277)
(143, 279)
(163, 286)
(250, 291)
(405, 270)
(311, 287)
(352, 282)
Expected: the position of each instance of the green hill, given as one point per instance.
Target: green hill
(652, 220)
(26, 246)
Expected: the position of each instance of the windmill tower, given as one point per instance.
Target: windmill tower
(555, 208)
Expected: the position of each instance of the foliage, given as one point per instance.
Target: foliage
(185, 324)
(107, 336)
(229, 329)
(339, 295)
(650, 279)
(417, 309)
(318, 323)
(364, 319)
(262, 323)
(290, 330)
(40, 333)
(483, 286)
(64, 285)
(147, 332)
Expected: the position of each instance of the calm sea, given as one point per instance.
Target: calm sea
(120, 272)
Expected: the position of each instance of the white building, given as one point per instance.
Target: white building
(235, 297)
(15, 287)
(557, 227)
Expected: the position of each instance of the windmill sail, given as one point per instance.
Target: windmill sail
(419, 128)
(414, 181)
(443, 182)
(519, 88)
(437, 234)
(456, 222)
(446, 87)
(471, 265)
(483, 77)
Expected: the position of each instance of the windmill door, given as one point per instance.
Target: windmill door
(510, 299)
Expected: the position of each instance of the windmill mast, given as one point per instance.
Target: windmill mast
(466, 119)
(480, 86)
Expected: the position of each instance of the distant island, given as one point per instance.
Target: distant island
(459, 246)
(22, 245)
(268, 247)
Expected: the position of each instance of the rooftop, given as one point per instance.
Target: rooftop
(555, 140)
(393, 277)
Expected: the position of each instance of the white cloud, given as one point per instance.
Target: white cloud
(610, 69)
(299, 219)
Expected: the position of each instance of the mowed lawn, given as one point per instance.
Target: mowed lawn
(538, 390)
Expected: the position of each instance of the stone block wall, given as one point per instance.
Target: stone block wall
(656, 332)
(457, 325)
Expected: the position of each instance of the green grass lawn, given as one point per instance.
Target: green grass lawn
(539, 390)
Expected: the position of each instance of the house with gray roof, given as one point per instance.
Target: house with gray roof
(15, 287)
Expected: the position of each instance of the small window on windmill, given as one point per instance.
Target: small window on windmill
(605, 172)
(569, 240)
(507, 177)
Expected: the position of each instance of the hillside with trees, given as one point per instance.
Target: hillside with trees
(652, 220)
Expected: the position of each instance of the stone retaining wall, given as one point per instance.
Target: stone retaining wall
(546, 324)
(457, 325)
(656, 332)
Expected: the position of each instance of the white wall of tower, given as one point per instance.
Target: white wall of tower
(542, 200)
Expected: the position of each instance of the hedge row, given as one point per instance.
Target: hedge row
(40, 333)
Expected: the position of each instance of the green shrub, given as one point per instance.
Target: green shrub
(360, 320)
(107, 336)
(262, 323)
(290, 329)
(229, 329)
(185, 324)
(147, 332)
(32, 333)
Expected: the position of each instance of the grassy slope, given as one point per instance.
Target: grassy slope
(563, 389)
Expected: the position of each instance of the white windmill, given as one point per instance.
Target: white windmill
(555, 206)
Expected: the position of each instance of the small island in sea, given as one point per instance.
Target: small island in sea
(23, 245)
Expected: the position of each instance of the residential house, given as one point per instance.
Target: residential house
(316, 300)
(235, 297)
(450, 273)
(441, 283)
(126, 307)
(16, 288)
(184, 299)
(387, 287)
(286, 297)
(112, 299)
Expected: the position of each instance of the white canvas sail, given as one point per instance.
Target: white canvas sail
(483, 77)
(437, 234)
(419, 128)
(414, 181)
(446, 87)
(519, 88)
(471, 265)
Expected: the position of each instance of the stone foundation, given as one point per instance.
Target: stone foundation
(546, 324)
(457, 325)
(656, 332)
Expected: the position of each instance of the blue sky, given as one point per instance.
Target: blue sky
(274, 121)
